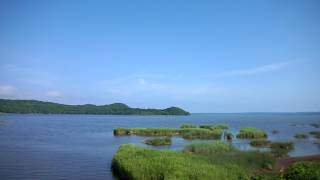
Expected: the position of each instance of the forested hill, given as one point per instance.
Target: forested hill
(40, 107)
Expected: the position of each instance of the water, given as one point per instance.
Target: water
(82, 146)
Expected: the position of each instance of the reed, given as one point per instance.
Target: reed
(158, 141)
(251, 133)
(315, 134)
(301, 136)
(260, 143)
(188, 126)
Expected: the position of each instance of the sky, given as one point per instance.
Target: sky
(203, 56)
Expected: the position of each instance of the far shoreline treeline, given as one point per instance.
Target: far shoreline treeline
(42, 107)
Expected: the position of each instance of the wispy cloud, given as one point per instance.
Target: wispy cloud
(54, 94)
(250, 71)
(6, 90)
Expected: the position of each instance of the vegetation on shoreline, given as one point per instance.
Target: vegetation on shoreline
(303, 170)
(281, 149)
(186, 133)
(158, 141)
(251, 133)
(41, 107)
(301, 136)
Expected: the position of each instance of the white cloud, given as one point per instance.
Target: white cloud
(7, 90)
(250, 71)
(54, 94)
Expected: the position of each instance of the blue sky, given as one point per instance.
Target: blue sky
(204, 56)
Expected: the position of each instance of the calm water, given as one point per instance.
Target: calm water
(82, 146)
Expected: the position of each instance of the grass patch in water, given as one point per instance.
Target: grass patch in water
(301, 136)
(213, 127)
(158, 141)
(281, 149)
(132, 162)
(315, 125)
(251, 133)
(188, 126)
(186, 133)
(275, 131)
(260, 143)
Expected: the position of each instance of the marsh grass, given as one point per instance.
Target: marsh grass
(214, 127)
(260, 143)
(315, 125)
(303, 170)
(223, 153)
(132, 162)
(186, 133)
(281, 149)
(251, 133)
(301, 136)
(188, 126)
(275, 131)
(315, 134)
(158, 141)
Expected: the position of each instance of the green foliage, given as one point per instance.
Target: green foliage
(40, 107)
(213, 127)
(222, 153)
(188, 126)
(132, 162)
(260, 143)
(301, 136)
(303, 170)
(315, 134)
(207, 149)
(251, 133)
(158, 141)
(186, 133)
(281, 149)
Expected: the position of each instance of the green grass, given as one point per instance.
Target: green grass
(207, 149)
(281, 149)
(301, 136)
(188, 126)
(222, 153)
(213, 127)
(158, 141)
(186, 133)
(303, 170)
(251, 133)
(132, 162)
(260, 143)
(315, 134)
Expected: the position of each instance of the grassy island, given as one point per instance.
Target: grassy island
(260, 143)
(158, 141)
(186, 133)
(315, 134)
(251, 133)
(222, 161)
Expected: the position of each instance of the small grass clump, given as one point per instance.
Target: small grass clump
(260, 143)
(275, 131)
(281, 149)
(251, 133)
(303, 170)
(186, 133)
(132, 162)
(158, 141)
(315, 134)
(301, 136)
(228, 136)
(213, 127)
(188, 126)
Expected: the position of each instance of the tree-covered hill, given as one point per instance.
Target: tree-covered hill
(41, 107)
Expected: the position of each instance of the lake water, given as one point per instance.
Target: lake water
(82, 146)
